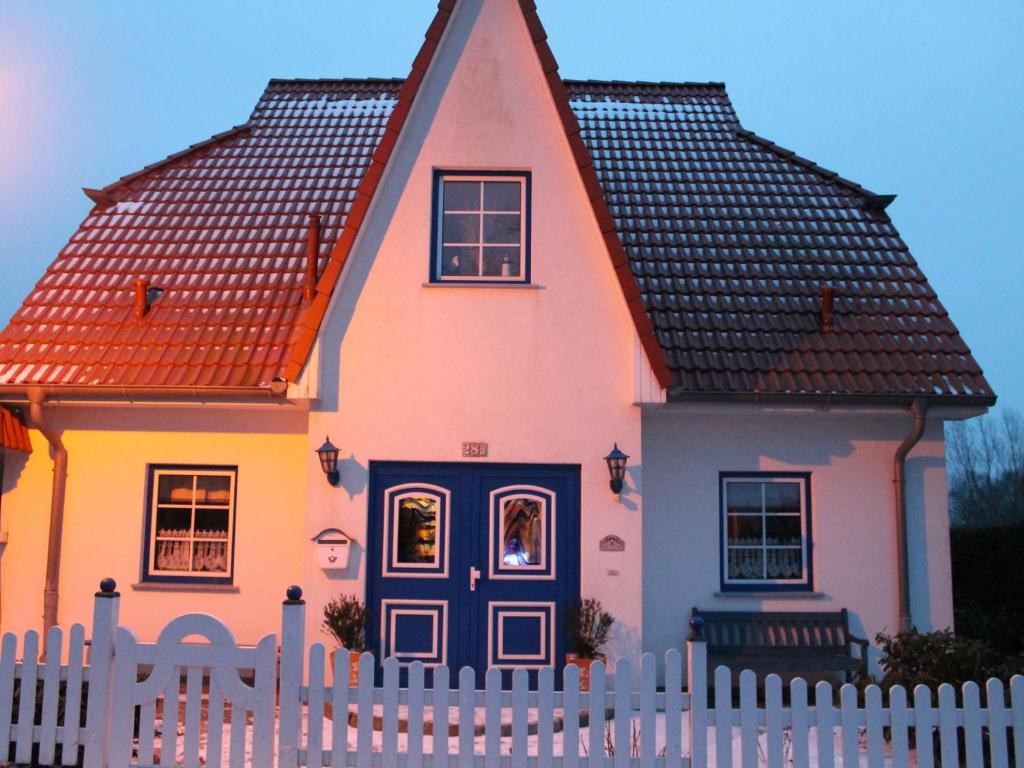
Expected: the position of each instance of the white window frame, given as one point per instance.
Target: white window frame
(804, 582)
(519, 177)
(151, 573)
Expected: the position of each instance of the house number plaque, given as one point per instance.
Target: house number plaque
(612, 543)
(474, 450)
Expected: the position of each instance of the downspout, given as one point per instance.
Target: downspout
(60, 477)
(919, 409)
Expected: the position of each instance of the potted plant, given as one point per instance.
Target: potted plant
(346, 619)
(587, 625)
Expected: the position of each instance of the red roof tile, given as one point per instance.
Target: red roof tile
(13, 432)
(728, 240)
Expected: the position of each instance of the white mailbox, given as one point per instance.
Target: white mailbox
(332, 549)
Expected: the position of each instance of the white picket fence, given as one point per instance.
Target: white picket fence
(178, 702)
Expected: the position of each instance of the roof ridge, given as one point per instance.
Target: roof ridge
(394, 80)
(805, 162)
(217, 138)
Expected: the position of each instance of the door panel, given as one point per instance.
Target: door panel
(472, 564)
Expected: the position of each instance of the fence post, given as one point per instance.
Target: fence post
(697, 683)
(293, 640)
(106, 607)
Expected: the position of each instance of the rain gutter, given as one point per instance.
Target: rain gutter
(920, 410)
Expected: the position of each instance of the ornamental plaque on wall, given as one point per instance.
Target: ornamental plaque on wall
(612, 543)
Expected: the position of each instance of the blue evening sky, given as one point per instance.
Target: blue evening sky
(920, 98)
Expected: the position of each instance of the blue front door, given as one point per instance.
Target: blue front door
(472, 564)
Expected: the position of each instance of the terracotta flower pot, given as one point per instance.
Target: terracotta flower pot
(353, 668)
(583, 665)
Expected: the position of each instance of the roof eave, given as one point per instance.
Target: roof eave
(826, 399)
(19, 393)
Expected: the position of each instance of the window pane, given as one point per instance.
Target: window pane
(175, 489)
(501, 262)
(457, 261)
(461, 228)
(783, 530)
(501, 228)
(462, 195)
(746, 564)
(211, 556)
(523, 528)
(213, 489)
(211, 523)
(745, 529)
(785, 563)
(502, 195)
(782, 497)
(743, 497)
(172, 555)
(173, 522)
(417, 530)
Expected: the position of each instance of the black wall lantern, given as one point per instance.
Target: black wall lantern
(328, 454)
(616, 468)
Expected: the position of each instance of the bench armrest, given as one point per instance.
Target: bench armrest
(864, 645)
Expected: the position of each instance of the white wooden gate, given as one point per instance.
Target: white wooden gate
(194, 697)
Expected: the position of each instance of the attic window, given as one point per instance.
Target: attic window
(481, 227)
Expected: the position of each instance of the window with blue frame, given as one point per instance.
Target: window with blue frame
(190, 522)
(481, 227)
(766, 531)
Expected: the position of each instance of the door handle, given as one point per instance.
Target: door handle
(474, 574)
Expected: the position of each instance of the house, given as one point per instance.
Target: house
(475, 282)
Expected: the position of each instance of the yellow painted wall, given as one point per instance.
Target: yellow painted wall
(108, 453)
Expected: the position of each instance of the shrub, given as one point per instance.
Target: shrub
(346, 619)
(588, 626)
(932, 658)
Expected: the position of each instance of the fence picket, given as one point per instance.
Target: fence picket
(595, 710)
(748, 718)
(571, 717)
(215, 726)
(27, 700)
(73, 697)
(849, 724)
(623, 714)
(440, 709)
(414, 719)
(51, 689)
(315, 708)
(873, 726)
(8, 649)
(947, 725)
(899, 724)
(723, 718)
(973, 722)
(546, 719)
(492, 718)
(520, 717)
(169, 721)
(340, 697)
(773, 720)
(1017, 702)
(997, 720)
(825, 715)
(193, 713)
(648, 708)
(147, 731)
(389, 714)
(263, 693)
(800, 733)
(467, 684)
(674, 708)
(924, 721)
(364, 697)
(239, 725)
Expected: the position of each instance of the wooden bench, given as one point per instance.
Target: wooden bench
(811, 645)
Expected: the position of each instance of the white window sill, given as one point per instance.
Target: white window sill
(772, 595)
(485, 284)
(154, 586)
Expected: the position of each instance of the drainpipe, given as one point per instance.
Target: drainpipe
(919, 409)
(60, 477)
